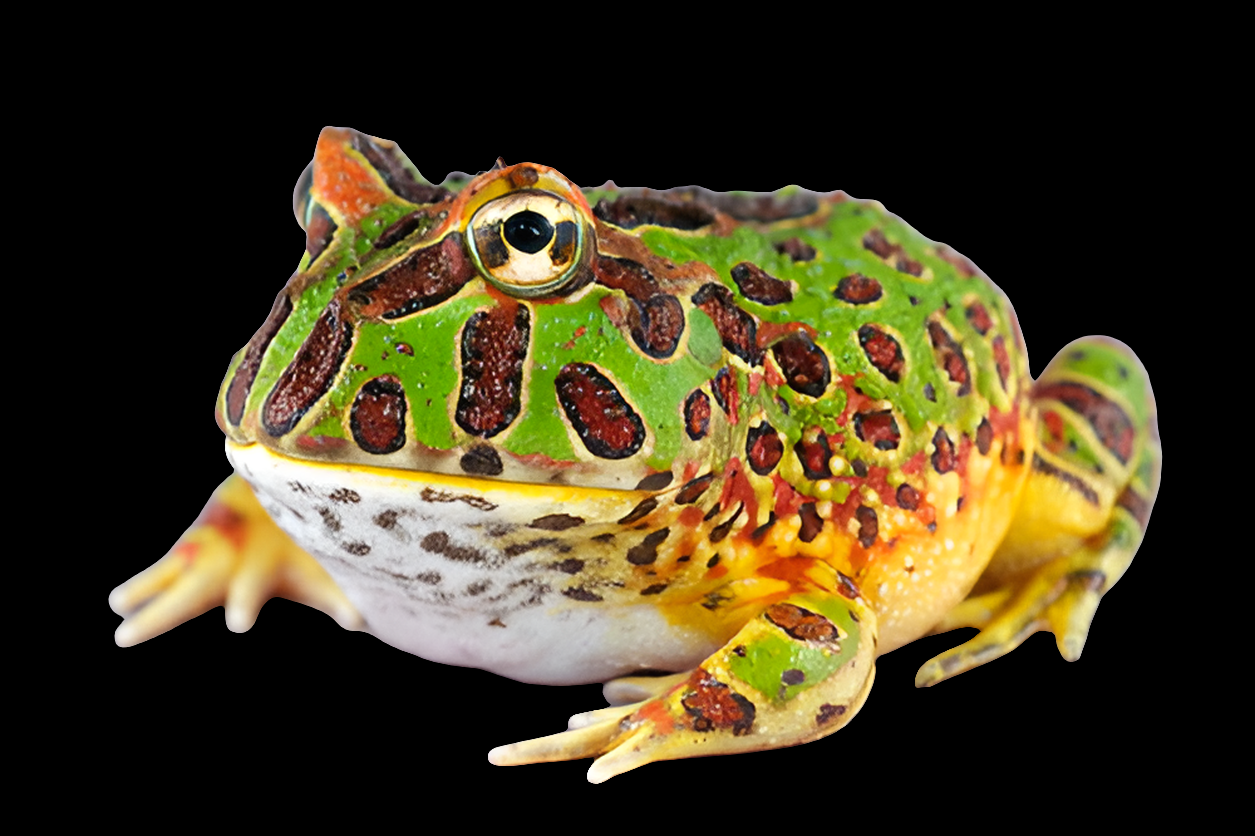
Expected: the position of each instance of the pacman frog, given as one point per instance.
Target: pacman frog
(576, 435)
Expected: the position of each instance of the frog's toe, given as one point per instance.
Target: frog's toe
(627, 689)
(583, 742)
(164, 596)
(1058, 597)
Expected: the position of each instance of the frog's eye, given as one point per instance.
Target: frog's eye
(527, 243)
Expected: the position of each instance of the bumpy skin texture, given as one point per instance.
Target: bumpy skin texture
(788, 426)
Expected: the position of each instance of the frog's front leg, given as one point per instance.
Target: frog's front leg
(799, 670)
(1080, 520)
(235, 555)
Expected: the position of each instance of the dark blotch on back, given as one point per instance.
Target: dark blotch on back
(601, 417)
(697, 415)
(310, 374)
(422, 279)
(880, 428)
(814, 456)
(693, 490)
(246, 372)
(796, 249)
(804, 365)
(494, 348)
(984, 436)
(641, 511)
(726, 393)
(763, 448)
(481, 460)
(858, 289)
(979, 317)
(907, 497)
(377, 417)
(737, 329)
(882, 350)
(556, 522)
(655, 481)
(630, 211)
(398, 230)
(950, 357)
(757, 285)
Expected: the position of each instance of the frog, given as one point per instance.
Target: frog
(717, 450)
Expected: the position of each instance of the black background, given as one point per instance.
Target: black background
(1048, 195)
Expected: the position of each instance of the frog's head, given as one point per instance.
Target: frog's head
(494, 326)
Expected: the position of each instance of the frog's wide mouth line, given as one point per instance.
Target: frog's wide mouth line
(427, 479)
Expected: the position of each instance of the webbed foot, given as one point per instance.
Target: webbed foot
(797, 672)
(233, 555)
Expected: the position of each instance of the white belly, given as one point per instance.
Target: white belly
(457, 572)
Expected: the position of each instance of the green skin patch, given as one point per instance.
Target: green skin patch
(771, 662)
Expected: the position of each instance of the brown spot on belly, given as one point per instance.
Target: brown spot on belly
(556, 522)
(719, 532)
(984, 436)
(646, 551)
(812, 523)
(868, 526)
(943, 456)
(693, 490)
(907, 497)
(641, 511)
(481, 460)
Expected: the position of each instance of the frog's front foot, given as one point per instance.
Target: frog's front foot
(233, 555)
(797, 672)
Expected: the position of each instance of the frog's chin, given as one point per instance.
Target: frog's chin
(472, 572)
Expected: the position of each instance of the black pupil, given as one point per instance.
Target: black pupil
(528, 231)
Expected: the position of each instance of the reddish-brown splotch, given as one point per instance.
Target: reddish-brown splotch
(655, 319)
(310, 374)
(804, 365)
(246, 372)
(950, 357)
(422, 279)
(907, 497)
(697, 415)
(763, 448)
(1001, 361)
(604, 421)
(494, 349)
(858, 289)
(629, 212)
(984, 436)
(812, 523)
(1054, 439)
(876, 242)
(796, 249)
(377, 417)
(979, 317)
(713, 706)
(757, 285)
(943, 457)
(1110, 422)
(801, 623)
(882, 350)
(868, 526)
(726, 393)
(879, 428)
(319, 232)
(787, 500)
(693, 490)
(814, 455)
(737, 329)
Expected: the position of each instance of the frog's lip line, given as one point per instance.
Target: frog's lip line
(557, 493)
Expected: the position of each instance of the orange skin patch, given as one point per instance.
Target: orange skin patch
(341, 182)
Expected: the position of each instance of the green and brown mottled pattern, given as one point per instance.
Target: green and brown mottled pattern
(828, 314)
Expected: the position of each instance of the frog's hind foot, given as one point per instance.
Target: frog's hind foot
(233, 555)
(1085, 506)
(798, 671)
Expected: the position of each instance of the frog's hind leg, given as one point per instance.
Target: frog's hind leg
(799, 670)
(233, 555)
(1095, 472)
